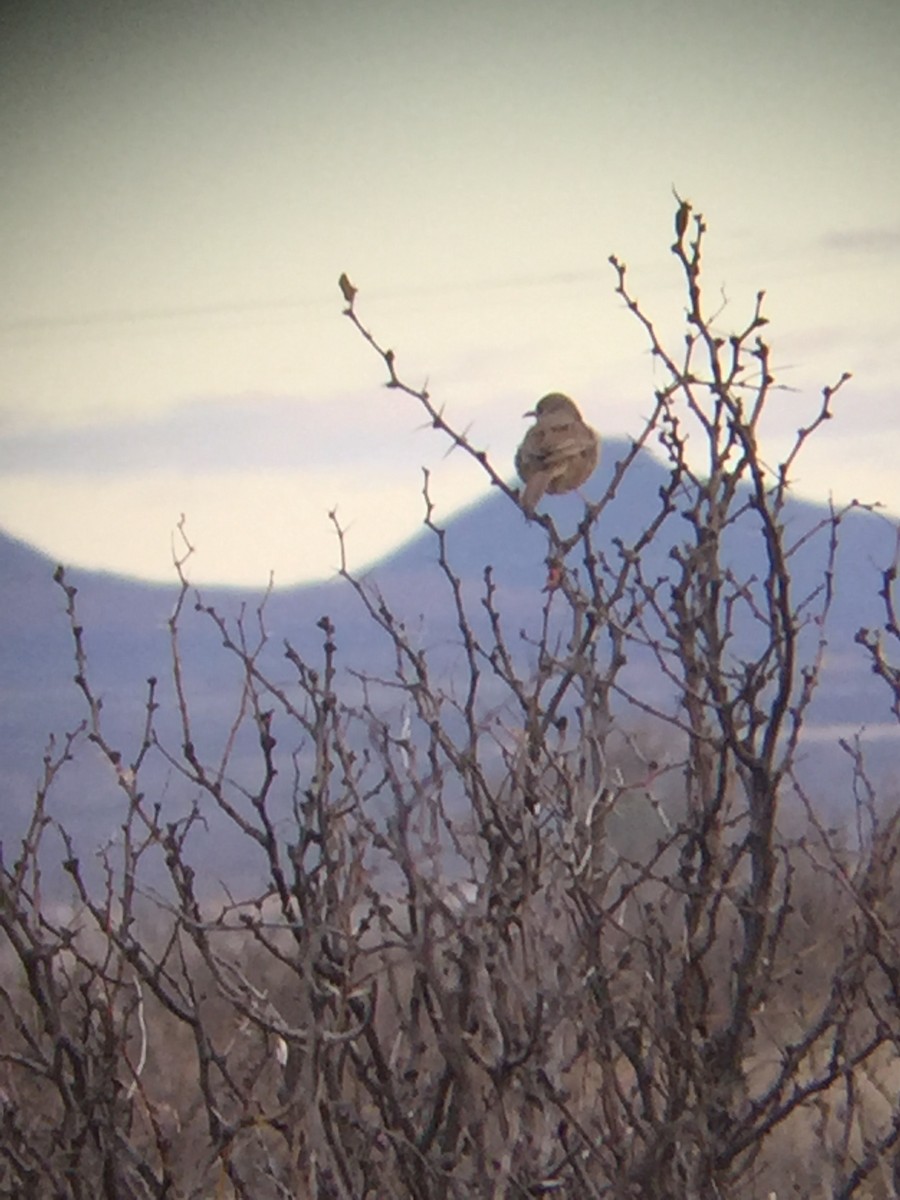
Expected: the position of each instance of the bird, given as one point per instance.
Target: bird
(558, 453)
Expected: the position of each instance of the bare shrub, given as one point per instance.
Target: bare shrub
(530, 926)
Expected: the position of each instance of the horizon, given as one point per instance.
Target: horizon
(558, 507)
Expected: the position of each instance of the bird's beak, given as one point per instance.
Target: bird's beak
(530, 413)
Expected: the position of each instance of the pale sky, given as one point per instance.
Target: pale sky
(183, 183)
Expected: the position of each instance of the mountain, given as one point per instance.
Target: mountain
(127, 639)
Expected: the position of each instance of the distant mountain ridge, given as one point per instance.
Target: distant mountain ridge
(127, 638)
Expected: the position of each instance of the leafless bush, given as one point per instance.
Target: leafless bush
(530, 928)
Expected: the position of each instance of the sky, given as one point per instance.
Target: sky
(183, 183)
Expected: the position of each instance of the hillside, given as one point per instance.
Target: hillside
(127, 638)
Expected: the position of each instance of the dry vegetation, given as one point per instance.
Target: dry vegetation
(611, 972)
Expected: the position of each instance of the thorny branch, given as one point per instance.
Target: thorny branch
(520, 922)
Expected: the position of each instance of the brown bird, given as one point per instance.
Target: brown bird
(558, 453)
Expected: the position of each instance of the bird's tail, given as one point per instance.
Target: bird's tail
(534, 490)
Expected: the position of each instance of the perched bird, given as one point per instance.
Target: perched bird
(558, 453)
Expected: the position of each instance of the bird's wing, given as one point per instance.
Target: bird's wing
(563, 443)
